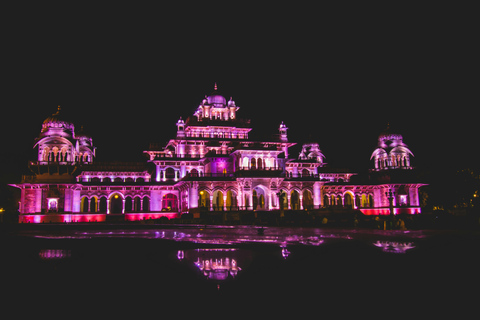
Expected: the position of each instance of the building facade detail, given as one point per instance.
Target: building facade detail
(210, 165)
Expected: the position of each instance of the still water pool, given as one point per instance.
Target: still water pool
(241, 267)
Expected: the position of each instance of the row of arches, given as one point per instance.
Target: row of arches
(260, 163)
(349, 200)
(257, 199)
(63, 154)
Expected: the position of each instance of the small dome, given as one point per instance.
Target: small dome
(83, 134)
(389, 134)
(57, 121)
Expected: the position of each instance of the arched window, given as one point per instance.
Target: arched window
(137, 204)
(103, 205)
(169, 202)
(84, 204)
(326, 201)
(55, 153)
(370, 200)
(128, 204)
(146, 204)
(170, 173)
(253, 163)
(245, 163)
(364, 201)
(93, 204)
(259, 163)
(46, 154)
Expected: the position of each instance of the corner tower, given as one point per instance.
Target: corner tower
(391, 152)
(57, 142)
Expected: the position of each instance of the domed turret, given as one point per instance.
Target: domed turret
(215, 106)
(57, 142)
(56, 124)
(391, 152)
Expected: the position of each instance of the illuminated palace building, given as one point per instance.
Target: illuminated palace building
(211, 165)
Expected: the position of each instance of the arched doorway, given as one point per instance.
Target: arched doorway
(370, 200)
(364, 201)
(282, 200)
(348, 200)
(339, 200)
(259, 198)
(93, 204)
(103, 205)
(170, 202)
(116, 203)
(294, 200)
(146, 204)
(203, 199)
(84, 204)
(128, 204)
(231, 200)
(137, 204)
(326, 201)
(218, 200)
(307, 200)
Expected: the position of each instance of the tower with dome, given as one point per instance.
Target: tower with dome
(210, 165)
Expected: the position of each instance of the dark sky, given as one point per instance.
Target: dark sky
(333, 75)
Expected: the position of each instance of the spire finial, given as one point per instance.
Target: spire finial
(58, 111)
(215, 88)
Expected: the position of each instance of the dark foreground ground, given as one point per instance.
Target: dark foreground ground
(150, 271)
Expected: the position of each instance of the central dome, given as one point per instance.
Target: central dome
(215, 98)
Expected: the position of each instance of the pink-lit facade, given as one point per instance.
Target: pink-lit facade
(210, 165)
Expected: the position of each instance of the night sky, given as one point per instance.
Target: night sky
(336, 76)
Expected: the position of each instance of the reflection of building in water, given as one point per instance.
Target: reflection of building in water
(394, 247)
(216, 263)
(54, 254)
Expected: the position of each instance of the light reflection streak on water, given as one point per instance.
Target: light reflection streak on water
(394, 246)
(228, 236)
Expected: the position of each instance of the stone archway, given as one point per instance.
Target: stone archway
(116, 203)
(294, 200)
(307, 200)
(259, 198)
(203, 199)
(169, 202)
(348, 200)
(218, 200)
(231, 200)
